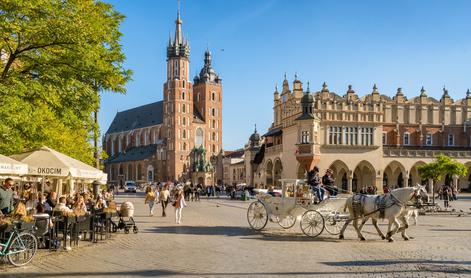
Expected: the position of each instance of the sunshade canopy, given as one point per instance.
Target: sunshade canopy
(48, 162)
(10, 166)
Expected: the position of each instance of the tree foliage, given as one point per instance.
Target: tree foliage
(442, 166)
(56, 55)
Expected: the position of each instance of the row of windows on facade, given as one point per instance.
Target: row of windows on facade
(128, 172)
(146, 139)
(339, 135)
(184, 134)
(184, 147)
(184, 96)
(406, 139)
(185, 108)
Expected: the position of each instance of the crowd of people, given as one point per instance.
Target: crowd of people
(165, 194)
(48, 201)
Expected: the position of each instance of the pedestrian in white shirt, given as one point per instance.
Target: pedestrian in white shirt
(179, 204)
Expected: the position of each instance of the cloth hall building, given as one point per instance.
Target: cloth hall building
(176, 139)
(369, 140)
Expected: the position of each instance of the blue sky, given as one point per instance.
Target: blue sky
(405, 44)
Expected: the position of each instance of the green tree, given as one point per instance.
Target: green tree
(56, 56)
(442, 166)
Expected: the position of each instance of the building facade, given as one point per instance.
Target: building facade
(373, 140)
(178, 138)
(234, 168)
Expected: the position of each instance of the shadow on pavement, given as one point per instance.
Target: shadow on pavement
(158, 272)
(202, 230)
(394, 262)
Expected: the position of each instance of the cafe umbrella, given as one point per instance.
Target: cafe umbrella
(10, 167)
(48, 163)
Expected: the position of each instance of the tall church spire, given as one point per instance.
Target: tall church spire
(178, 47)
(178, 27)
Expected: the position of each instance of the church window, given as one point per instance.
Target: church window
(183, 83)
(213, 148)
(184, 108)
(214, 136)
(183, 95)
(213, 96)
(184, 146)
(213, 112)
(138, 139)
(213, 124)
(184, 134)
(199, 136)
(184, 120)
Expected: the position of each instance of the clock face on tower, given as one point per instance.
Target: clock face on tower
(199, 138)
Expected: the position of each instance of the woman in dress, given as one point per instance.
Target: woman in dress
(179, 204)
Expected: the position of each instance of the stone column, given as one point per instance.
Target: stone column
(406, 181)
(379, 183)
(350, 182)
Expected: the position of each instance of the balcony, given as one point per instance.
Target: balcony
(425, 152)
(305, 150)
(276, 149)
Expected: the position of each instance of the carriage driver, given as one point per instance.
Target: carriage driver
(314, 181)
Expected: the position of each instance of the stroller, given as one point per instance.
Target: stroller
(126, 219)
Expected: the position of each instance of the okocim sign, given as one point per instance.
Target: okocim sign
(48, 171)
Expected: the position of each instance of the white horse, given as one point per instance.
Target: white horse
(396, 206)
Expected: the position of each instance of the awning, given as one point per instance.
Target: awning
(273, 132)
(47, 162)
(10, 166)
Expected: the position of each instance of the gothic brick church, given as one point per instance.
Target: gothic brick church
(176, 139)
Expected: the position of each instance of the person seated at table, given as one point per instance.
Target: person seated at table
(88, 201)
(100, 203)
(51, 201)
(41, 212)
(79, 206)
(62, 206)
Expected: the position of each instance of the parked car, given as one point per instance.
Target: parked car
(130, 186)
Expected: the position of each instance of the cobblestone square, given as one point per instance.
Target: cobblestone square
(214, 240)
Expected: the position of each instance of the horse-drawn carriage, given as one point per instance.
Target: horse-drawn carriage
(298, 203)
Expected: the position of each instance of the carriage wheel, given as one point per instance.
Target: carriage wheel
(312, 223)
(332, 224)
(287, 222)
(257, 215)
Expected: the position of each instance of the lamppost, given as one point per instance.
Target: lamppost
(213, 161)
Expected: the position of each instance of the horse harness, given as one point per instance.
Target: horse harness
(381, 205)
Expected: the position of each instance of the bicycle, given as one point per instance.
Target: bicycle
(20, 247)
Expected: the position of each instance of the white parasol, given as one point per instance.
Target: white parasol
(12, 167)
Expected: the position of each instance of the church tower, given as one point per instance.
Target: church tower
(207, 95)
(178, 105)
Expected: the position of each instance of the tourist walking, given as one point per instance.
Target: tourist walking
(150, 200)
(164, 194)
(6, 197)
(179, 204)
